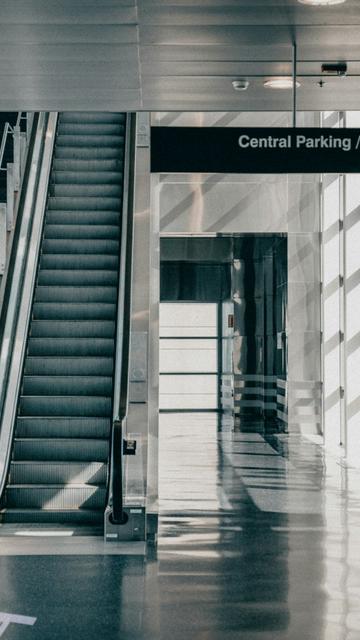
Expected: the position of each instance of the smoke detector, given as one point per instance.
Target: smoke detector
(240, 85)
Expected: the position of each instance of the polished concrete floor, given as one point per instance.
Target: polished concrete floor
(259, 539)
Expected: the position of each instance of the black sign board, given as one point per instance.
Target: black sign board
(254, 150)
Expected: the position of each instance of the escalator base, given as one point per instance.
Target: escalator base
(134, 529)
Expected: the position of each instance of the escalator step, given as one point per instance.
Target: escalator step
(82, 231)
(73, 311)
(99, 247)
(66, 450)
(55, 496)
(91, 128)
(67, 386)
(77, 190)
(67, 277)
(28, 472)
(93, 406)
(73, 347)
(79, 261)
(68, 366)
(90, 203)
(82, 217)
(87, 177)
(80, 140)
(87, 153)
(54, 516)
(80, 165)
(69, 427)
(75, 294)
(97, 117)
(72, 329)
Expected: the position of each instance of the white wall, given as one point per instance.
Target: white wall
(351, 239)
(332, 299)
(341, 306)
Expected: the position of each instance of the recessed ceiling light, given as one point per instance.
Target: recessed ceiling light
(321, 2)
(281, 83)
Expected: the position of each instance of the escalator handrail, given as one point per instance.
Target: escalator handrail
(121, 375)
(7, 131)
(16, 268)
(19, 305)
(7, 279)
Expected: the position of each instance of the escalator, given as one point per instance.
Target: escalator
(59, 466)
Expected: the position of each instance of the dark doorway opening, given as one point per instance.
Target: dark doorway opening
(223, 341)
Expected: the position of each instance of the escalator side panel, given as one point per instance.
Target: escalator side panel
(61, 446)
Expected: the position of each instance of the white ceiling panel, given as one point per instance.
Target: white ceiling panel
(67, 12)
(63, 87)
(120, 70)
(210, 94)
(61, 102)
(249, 36)
(260, 52)
(177, 55)
(77, 53)
(251, 14)
(208, 68)
(247, 4)
(67, 34)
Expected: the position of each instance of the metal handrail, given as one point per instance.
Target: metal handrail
(121, 376)
(9, 129)
(18, 311)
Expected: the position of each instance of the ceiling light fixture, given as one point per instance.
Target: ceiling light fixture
(321, 3)
(281, 83)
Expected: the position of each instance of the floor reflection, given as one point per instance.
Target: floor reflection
(254, 536)
(258, 540)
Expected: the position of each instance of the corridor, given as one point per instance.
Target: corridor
(258, 540)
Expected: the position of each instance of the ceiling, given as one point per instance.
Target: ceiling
(180, 55)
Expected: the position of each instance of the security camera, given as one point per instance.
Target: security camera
(334, 68)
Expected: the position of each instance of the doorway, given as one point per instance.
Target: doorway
(223, 339)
